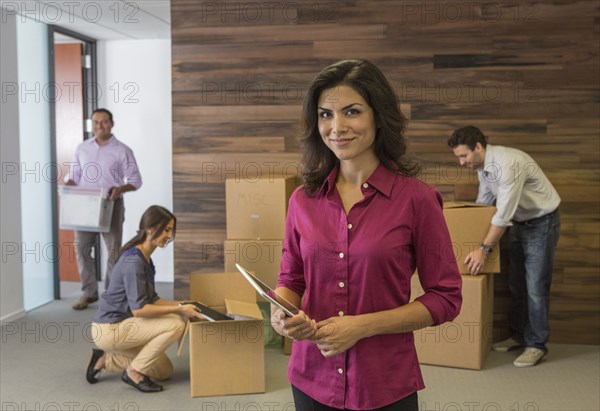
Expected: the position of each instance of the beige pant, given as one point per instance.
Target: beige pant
(139, 342)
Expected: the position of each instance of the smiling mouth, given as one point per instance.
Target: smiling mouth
(340, 140)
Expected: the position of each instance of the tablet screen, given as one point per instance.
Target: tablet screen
(209, 313)
(268, 293)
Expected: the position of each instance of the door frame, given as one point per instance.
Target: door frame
(90, 103)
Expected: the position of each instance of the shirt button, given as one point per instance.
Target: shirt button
(349, 226)
(341, 255)
(365, 185)
(340, 371)
(342, 284)
(341, 313)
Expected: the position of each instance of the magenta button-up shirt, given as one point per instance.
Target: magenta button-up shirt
(110, 165)
(362, 263)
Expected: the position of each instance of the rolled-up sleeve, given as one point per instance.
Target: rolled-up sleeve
(74, 171)
(436, 264)
(291, 274)
(510, 189)
(131, 171)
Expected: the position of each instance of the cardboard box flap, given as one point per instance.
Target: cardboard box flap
(181, 341)
(243, 309)
(212, 289)
(464, 204)
(232, 308)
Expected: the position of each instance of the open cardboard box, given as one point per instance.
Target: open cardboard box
(468, 224)
(466, 341)
(226, 357)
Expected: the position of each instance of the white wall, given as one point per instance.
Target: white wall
(11, 274)
(28, 251)
(38, 251)
(134, 78)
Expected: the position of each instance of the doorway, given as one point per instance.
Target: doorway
(73, 72)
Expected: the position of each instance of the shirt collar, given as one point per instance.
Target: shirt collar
(329, 181)
(134, 250)
(382, 180)
(112, 140)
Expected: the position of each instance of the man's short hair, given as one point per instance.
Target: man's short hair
(103, 110)
(469, 136)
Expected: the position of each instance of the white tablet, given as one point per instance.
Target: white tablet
(266, 292)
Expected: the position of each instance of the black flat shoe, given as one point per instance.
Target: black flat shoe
(145, 385)
(90, 374)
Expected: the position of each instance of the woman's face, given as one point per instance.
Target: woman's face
(346, 123)
(165, 237)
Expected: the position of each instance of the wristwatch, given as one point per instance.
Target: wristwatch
(486, 248)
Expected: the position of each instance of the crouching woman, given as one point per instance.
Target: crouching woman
(133, 326)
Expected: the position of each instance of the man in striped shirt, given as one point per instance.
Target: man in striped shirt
(102, 162)
(526, 205)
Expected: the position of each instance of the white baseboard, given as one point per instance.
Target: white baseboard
(17, 315)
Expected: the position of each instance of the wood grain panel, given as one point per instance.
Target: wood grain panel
(230, 144)
(526, 73)
(287, 33)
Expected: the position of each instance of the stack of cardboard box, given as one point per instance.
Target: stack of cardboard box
(466, 341)
(256, 212)
(227, 357)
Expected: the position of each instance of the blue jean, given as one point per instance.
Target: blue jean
(532, 245)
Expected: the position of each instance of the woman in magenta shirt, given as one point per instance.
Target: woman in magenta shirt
(355, 233)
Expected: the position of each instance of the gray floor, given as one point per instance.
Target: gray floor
(43, 357)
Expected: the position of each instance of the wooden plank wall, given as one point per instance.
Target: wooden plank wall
(526, 73)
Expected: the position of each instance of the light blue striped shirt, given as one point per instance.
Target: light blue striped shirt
(516, 184)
